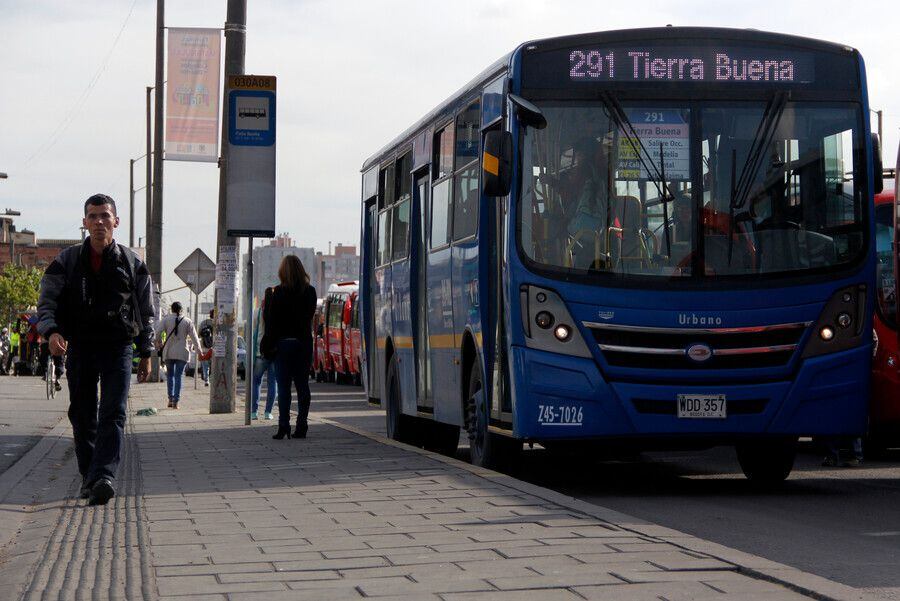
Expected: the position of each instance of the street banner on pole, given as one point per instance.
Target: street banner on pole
(250, 186)
(192, 95)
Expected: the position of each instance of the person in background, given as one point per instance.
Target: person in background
(13, 348)
(287, 317)
(174, 350)
(5, 350)
(262, 367)
(206, 329)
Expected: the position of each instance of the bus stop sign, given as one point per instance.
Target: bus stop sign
(250, 181)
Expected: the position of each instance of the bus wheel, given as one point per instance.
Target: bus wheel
(486, 449)
(401, 428)
(769, 461)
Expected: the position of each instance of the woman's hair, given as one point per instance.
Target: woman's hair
(292, 274)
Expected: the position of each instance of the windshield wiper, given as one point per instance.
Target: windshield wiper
(657, 177)
(765, 131)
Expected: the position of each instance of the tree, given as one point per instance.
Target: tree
(19, 290)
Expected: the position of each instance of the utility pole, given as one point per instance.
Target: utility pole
(224, 369)
(154, 235)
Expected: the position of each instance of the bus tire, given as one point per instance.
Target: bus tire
(767, 462)
(486, 449)
(402, 428)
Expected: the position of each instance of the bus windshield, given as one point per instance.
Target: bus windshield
(692, 189)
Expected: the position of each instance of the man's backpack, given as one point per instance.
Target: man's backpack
(206, 336)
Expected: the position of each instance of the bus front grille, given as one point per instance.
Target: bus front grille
(698, 348)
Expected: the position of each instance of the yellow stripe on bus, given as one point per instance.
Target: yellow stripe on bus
(439, 341)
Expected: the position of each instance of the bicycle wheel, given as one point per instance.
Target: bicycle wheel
(48, 378)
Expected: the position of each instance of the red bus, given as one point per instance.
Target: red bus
(338, 337)
(884, 410)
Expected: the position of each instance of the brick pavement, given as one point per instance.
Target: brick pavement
(212, 510)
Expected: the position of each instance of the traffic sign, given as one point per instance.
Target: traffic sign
(197, 271)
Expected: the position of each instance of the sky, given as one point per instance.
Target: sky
(351, 76)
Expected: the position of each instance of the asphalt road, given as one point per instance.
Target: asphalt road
(839, 523)
(26, 415)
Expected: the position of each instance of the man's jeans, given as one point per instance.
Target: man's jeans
(98, 434)
(174, 371)
(267, 368)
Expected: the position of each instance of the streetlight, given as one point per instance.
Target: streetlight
(2, 175)
(131, 192)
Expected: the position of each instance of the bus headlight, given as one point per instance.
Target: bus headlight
(544, 320)
(562, 332)
(840, 325)
(556, 331)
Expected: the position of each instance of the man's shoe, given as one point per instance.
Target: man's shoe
(57, 386)
(101, 492)
(171, 403)
(254, 415)
(206, 382)
(85, 490)
(269, 415)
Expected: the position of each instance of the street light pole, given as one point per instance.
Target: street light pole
(131, 203)
(149, 185)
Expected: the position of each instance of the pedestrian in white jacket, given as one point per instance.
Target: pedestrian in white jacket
(179, 330)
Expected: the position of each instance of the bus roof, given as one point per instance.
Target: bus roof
(661, 33)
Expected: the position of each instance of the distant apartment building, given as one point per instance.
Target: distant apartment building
(22, 247)
(340, 266)
(267, 260)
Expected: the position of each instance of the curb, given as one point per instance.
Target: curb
(805, 583)
(20, 470)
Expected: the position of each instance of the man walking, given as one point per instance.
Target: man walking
(96, 301)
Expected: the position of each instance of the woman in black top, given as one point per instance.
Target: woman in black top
(288, 314)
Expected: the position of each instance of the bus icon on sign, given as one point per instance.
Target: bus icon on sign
(254, 113)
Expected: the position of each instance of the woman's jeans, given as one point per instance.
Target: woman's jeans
(292, 367)
(267, 368)
(174, 371)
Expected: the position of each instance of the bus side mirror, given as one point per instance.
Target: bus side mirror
(496, 163)
(878, 182)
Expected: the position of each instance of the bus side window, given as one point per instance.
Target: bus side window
(400, 220)
(440, 194)
(465, 203)
(465, 179)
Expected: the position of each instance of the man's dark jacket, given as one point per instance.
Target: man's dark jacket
(89, 309)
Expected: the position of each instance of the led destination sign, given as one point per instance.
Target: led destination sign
(687, 64)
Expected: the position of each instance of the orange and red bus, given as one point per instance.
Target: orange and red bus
(337, 352)
(884, 408)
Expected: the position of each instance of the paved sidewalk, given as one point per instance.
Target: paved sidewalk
(212, 510)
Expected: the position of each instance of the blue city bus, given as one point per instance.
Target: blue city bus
(629, 239)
